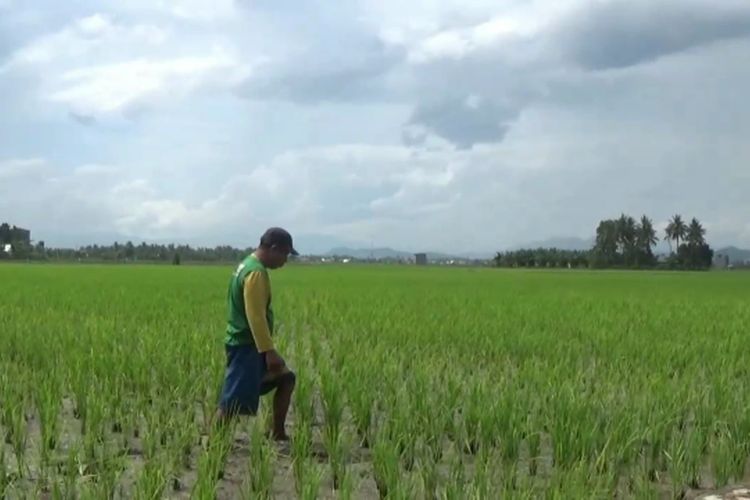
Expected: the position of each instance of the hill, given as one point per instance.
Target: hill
(736, 255)
(384, 253)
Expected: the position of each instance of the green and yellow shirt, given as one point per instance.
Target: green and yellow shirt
(250, 315)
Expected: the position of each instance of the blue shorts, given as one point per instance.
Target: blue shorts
(243, 380)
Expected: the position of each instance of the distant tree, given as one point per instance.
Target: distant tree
(695, 233)
(695, 256)
(605, 247)
(129, 250)
(676, 230)
(645, 239)
(4, 233)
(176, 259)
(626, 238)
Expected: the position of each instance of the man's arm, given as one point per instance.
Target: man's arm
(256, 291)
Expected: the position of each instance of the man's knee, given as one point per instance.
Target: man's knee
(287, 379)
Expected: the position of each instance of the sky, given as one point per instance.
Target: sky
(421, 125)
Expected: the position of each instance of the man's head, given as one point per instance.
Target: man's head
(275, 247)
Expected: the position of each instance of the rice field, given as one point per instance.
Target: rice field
(411, 383)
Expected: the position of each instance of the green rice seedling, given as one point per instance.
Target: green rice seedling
(337, 445)
(509, 475)
(360, 403)
(739, 431)
(721, 456)
(304, 403)
(386, 466)
(474, 416)
(578, 481)
(429, 474)
(108, 477)
(301, 447)
(694, 456)
(506, 424)
(5, 478)
(81, 390)
(311, 481)
(261, 464)
(211, 461)
(331, 391)
(455, 487)
(348, 485)
(153, 479)
(642, 487)
(48, 401)
(481, 485)
(93, 425)
(181, 450)
(533, 441)
(404, 430)
(683, 467)
(19, 434)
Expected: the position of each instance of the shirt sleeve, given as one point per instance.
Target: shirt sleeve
(257, 291)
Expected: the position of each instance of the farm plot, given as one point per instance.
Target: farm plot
(411, 383)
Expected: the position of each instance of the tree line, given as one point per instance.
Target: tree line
(126, 252)
(624, 243)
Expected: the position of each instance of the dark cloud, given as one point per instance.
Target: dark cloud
(326, 52)
(83, 119)
(349, 77)
(622, 33)
(462, 122)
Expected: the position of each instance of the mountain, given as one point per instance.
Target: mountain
(736, 255)
(390, 253)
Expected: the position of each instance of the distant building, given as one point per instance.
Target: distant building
(420, 258)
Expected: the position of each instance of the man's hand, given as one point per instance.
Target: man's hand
(274, 362)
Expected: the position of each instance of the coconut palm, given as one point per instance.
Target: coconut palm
(676, 230)
(695, 233)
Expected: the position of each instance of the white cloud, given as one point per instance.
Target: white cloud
(114, 87)
(192, 10)
(460, 42)
(21, 167)
(84, 38)
(100, 65)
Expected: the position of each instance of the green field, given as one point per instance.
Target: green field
(412, 383)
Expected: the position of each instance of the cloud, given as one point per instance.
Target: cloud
(622, 33)
(463, 122)
(98, 66)
(21, 167)
(87, 37)
(117, 87)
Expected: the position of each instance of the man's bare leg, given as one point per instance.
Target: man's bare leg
(281, 401)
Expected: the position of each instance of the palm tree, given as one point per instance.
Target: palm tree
(676, 230)
(695, 233)
(646, 235)
(626, 236)
(669, 235)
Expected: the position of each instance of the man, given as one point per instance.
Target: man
(254, 368)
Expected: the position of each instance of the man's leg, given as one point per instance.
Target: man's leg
(284, 385)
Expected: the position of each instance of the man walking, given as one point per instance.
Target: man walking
(254, 368)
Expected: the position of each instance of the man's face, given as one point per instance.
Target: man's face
(278, 256)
